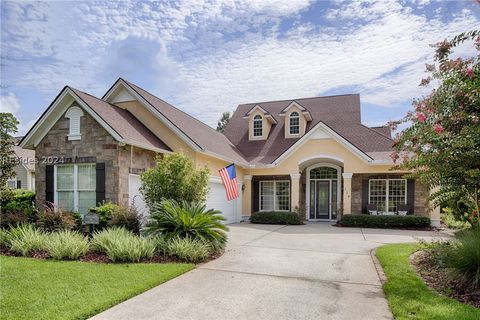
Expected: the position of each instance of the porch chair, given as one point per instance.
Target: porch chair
(402, 209)
(372, 209)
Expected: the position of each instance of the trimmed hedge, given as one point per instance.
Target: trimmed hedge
(275, 217)
(368, 221)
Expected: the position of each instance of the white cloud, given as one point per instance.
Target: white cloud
(9, 103)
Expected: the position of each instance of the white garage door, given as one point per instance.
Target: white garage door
(135, 196)
(217, 199)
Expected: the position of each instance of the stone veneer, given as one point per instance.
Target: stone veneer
(421, 193)
(96, 146)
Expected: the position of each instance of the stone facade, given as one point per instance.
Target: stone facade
(96, 146)
(420, 195)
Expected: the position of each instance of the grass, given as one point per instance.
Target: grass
(45, 289)
(409, 297)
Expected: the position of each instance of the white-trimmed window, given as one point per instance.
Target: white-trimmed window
(75, 187)
(74, 114)
(274, 195)
(294, 123)
(387, 194)
(257, 126)
(12, 183)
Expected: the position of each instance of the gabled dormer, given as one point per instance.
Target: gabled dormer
(260, 123)
(296, 119)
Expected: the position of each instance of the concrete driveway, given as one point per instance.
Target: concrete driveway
(314, 271)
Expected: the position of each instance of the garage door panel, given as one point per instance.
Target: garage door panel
(217, 199)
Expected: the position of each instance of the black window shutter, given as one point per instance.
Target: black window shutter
(49, 186)
(255, 195)
(19, 184)
(100, 187)
(364, 195)
(411, 196)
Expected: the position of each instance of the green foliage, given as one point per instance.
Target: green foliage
(53, 219)
(104, 212)
(441, 147)
(188, 249)
(59, 290)
(453, 220)
(408, 297)
(172, 219)
(122, 245)
(160, 244)
(463, 256)
(66, 244)
(4, 240)
(276, 217)
(126, 217)
(368, 221)
(25, 239)
(17, 206)
(8, 127)
(174, 177)
(223, 121)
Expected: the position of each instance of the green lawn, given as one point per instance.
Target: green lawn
(409, 297)
(44, 289)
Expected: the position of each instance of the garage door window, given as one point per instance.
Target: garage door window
(274, 195)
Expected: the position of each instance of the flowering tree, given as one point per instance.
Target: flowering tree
(441, 146)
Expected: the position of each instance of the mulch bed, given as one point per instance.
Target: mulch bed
(95, 257)
(440, 279)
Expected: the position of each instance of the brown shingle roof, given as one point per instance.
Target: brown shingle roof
(205, 137)
(26, 156)
(385, 130)
(340, 113)
(122, 122)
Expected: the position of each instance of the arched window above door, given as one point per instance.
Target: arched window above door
(323, 173)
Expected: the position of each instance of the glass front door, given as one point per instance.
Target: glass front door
(323, 199)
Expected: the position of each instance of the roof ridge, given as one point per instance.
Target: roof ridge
(283, 100)
(371, 129)
(91, 95)
(204, 124)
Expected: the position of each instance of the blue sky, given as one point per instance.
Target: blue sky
(207, 57)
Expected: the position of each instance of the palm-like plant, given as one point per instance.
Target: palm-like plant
(172, 219)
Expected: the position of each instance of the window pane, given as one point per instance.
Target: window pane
(257, 126)
(312, 199)
(323, 173)
(86, 177)
(65, 200)
(334, 199)
(65, 177)
(86, 200)
(266, 195)
(282, 200)
(396, 193)
(378, 194)
(294, 123)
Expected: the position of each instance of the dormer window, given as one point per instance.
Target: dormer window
(74, 114)
(257, 126)
(294, 123)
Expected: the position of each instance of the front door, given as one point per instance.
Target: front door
(323, 199)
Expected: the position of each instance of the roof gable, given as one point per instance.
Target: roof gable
(119, 123)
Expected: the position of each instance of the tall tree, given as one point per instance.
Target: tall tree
(441, 147)
(8, 127)
(222, 123)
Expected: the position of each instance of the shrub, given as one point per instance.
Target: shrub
(25, 239)
(122, 245)
(24, 195)
(275, 217)
(452, 221)
(17, 206)
(368, 221)
(11, 219)
(66, 244)
(104, 212)
(126, 217)
(3, 237)
(174, 177)
(160, 244)
(188, 249)
(53, 219)
(463, 256)
(172, 219)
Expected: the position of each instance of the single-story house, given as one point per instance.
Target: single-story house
(24, 170)
(310, 155)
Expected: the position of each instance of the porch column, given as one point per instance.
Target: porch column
(347, 192)
(295, 205)
(247, 196)
(434, 212)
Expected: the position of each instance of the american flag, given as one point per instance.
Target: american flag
(229, 179)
